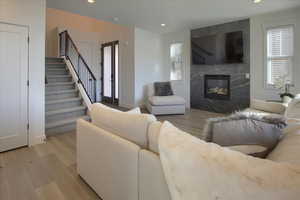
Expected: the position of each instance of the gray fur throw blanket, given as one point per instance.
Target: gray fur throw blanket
(245, 128)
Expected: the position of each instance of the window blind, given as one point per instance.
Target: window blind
(280, 53)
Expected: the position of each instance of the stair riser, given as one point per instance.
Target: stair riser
(61, 96)
(59, 87)
(61, 129)
(57, 72)
(63, 116)
(56, 68)
(60, 79)
(58, 106)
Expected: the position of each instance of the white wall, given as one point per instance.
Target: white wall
(148, 62)
(182, 87)
(31, 13)
(257, 45)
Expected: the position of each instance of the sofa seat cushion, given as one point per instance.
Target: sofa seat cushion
(166, 100)
(288, 148)
(130, 126)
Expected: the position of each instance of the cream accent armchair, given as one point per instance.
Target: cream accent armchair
(164, 105)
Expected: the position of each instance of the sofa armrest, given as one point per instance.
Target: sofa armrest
(293, 110)
(272, 107)
(152, 182)
(108, 163)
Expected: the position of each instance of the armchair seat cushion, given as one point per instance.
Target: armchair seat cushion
(166, 100)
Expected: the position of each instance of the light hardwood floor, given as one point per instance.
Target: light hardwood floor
(192, 122)
(48, 171)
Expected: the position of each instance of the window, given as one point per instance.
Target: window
(176, 56)
(280, 52)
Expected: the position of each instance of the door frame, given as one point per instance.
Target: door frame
(28, 133)
(113, 99)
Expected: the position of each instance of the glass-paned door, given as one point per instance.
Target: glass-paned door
(110, 72)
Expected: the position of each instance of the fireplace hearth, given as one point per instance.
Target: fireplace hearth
(217, 87)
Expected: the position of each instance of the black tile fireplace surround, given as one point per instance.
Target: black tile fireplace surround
(217, 87)
(217, 98)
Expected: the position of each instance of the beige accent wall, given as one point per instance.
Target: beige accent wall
(58, 19)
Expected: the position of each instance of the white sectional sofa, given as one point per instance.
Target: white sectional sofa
(118, 155)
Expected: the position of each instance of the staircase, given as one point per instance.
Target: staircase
(64, 104)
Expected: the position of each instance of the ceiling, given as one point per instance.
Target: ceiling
(176, 14)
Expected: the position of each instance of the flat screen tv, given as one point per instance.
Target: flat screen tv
(223, 48)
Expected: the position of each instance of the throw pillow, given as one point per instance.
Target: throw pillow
(248, 129)
(163, 89)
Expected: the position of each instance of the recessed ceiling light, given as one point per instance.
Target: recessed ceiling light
(163, 25)
(257, 1)
(116, 19)
(91, 1)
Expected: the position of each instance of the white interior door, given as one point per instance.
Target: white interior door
(13, 86)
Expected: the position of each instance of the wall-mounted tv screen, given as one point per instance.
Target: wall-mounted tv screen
(225, 48)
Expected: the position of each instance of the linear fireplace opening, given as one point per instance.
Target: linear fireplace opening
(217, 87)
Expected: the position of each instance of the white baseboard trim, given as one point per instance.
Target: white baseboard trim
(37, 140)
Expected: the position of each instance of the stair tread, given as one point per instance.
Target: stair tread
(63, 100)
(59, 76)
(65, 110)
(61, 92)
(65, 121)
(56, 69)
(52, 57)
(60, 83)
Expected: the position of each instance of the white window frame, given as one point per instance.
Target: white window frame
(266, 28)
(182, 61)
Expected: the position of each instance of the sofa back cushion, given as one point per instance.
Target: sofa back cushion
(288, 148)
(271, 107)
(130, 126)
(153, 135)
